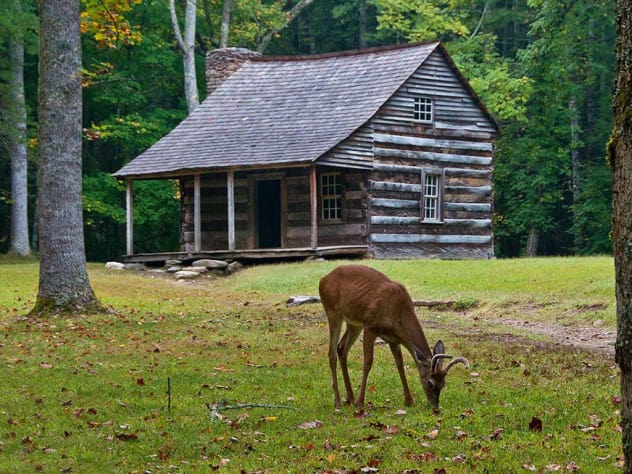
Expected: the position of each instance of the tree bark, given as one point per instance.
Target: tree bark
(186, 44)
(575, 166)
(63, 279)
(225, 27)
(620, 157)
(17, 150)
(362, 18)
(532, 242)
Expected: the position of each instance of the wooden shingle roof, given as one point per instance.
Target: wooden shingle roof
(281, 111)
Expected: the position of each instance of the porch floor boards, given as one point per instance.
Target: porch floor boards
(251, 255)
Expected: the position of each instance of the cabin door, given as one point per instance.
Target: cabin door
(268, 198)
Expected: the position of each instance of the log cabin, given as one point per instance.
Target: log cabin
(385, 152)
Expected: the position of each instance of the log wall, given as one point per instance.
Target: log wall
(352, 230)
(459, 143)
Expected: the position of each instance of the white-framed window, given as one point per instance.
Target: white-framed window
(432, 195)
(422, 109)
(331, 196)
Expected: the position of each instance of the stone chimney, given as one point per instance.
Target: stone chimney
(222, 63)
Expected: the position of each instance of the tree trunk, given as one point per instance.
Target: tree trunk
(187, 47)
(620, 157)
(17, 150)
(532, 242)
(63, 279)
(223, 41)
(575, 167)
(362, 24)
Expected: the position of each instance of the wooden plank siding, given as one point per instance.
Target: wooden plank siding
(459, 142)
(352, 230)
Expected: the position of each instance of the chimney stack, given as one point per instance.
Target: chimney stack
(224, 62)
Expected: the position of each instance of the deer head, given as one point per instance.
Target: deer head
(433, 375)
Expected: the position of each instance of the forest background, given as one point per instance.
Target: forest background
(544, 68)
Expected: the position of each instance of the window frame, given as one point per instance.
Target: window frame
(420, 111)
(439, 197)
(338, 197)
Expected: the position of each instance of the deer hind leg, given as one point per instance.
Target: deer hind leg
(335, 326)
(399, 362)
(367, 345)
(348, 339)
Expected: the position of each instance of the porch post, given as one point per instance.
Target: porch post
(197, 215)
(129, 218)
(313, 197)
(230, 190)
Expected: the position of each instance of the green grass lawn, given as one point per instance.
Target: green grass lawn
(90, 393)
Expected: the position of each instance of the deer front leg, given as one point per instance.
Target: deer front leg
(367, 346)
(399, 362)
(348, 339)
(334, 334)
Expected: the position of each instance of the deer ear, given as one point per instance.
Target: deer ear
(439, 348)
(418, 354)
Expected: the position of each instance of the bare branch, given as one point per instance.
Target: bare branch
(176, 25)
(292, 14)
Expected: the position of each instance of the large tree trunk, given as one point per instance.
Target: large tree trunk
(17, 150)
(63, 278)
(187, 47)
(620, 156)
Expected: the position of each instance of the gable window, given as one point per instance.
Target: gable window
(432, 195)
(331, 196)
(422, 109)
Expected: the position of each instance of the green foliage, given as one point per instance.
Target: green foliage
(422, 20)
(503, 91)
(156, 216)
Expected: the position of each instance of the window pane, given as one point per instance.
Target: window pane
(422, 109)
(431, 197)
(331, 196)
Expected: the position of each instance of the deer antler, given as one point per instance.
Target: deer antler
(436, 358)
(458, 360)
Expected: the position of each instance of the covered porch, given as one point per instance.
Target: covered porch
(225, 215)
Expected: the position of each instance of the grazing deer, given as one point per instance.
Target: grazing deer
(368, 300)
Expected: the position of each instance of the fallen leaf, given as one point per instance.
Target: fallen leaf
(126, 436)
(460, 435)
(616, 400)
(308, 425)
(45, 365)
(434, 434)
(529, 467)
(571, 466)
(400, 412)
(535, 424)
(497, 434)
(423, 457)
(140, 381)
(440, 471)
(459, 458)
(331, 458)
(391, 429)
(552, 468)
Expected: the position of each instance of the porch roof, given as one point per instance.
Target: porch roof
(279, 111)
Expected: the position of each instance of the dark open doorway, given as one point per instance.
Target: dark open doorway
(268, 198)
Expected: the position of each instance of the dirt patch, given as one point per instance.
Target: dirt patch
(583, 338)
